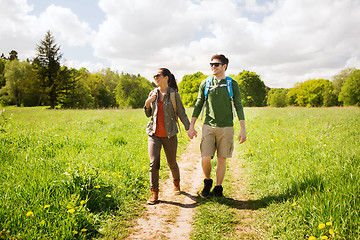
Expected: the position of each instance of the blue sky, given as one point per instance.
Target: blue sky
(284, 41)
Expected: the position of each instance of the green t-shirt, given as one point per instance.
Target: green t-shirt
(218, 107)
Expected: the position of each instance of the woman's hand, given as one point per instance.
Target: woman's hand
(150, 99)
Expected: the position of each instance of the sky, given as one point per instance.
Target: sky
(283, 41)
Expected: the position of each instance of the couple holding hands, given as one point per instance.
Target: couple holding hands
(221, 96)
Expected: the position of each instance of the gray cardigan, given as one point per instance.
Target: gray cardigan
(169, 113)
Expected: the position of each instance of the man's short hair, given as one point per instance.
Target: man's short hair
(222, 58)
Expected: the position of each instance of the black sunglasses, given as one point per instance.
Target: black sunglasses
(157, 75)
(216, 64)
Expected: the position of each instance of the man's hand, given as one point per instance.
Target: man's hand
(242, 135)
(192, 132)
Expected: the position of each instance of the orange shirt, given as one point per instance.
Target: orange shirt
(160, 123)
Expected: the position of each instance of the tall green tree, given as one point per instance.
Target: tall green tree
(111, 80)
(350, 91)
(77, 93)
(22, 86)
(189, 88)
(253, 89)
(47, 64)
(132, 90)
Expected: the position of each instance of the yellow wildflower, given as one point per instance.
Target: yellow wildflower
(294, 204)
(47, 206)
(29, 214)
(324, 237)
(328, 223)
(312, 238)
(71, 210)
(82, 202)
(75, 232)
(108, 195)
(331, 231)
(84, 230)
(321, 226)
(97, 186)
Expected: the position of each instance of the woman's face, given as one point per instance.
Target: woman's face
(159, 78)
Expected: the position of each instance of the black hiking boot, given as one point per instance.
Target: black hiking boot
(207, 187)
(218, 191)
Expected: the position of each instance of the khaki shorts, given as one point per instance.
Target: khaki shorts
(220, 139)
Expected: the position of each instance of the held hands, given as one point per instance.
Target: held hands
(192, 132)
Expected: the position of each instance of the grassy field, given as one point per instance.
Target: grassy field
(69, 174)
(303, 165)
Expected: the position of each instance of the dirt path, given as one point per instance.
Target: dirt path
(171, 218)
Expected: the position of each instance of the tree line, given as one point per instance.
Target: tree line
(42, 81)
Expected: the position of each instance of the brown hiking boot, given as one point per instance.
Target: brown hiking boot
(177, 187)
(154, 196)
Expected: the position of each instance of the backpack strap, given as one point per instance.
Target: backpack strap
(209, 87)
(173, 101)
(229, 87)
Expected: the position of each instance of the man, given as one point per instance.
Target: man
(217, 130)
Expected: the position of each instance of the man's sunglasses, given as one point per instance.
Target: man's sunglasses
(215, 64)
(157, 75)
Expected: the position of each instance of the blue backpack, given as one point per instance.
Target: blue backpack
(209, 87)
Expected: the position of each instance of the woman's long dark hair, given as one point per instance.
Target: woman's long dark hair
(172, 81)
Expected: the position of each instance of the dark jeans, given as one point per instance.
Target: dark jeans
(170, 148)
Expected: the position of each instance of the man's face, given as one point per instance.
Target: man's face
(217, 68)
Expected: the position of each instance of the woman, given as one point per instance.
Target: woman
(162, 129)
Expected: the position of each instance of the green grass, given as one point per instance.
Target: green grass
(69, 174)
(303, 166)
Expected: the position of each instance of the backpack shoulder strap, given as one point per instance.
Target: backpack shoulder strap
(173, 102)
(229, 86)
(207, 86)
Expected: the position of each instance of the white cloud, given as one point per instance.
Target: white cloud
(283, 41)
(294, 41)
(22, 31)
(66, 25)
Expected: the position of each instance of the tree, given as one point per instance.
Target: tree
(132, 90)
(77, 93)
(350, 91)
(339, 79)
(309, 93)
(47, 64)
(189, 88)
(21, 86)
(111, 80)
(2, 69)
(277, 97)
(13, 55)
(253, 89)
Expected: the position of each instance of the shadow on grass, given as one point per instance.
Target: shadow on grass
(306, 184)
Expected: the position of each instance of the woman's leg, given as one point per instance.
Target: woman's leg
(170, 149)
(154, 147)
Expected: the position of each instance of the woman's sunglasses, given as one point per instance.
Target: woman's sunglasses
(215, 64)
(157, 75)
